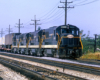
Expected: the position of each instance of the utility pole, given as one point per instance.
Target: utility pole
(65, 9)
(9, 29)
(95, 42)
(19, 26)
(1, 32)
(35, 22)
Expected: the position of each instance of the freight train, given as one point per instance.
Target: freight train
(57, 41)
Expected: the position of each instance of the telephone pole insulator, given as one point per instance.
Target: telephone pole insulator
(1, 32)
(19, 26)
(35, 22)
(9, 29)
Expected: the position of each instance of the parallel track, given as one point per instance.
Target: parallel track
(64, 65)
(33, 72)
(89, 61)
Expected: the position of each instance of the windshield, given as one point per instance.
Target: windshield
(71, 31)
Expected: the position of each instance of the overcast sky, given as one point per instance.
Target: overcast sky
(85, 14)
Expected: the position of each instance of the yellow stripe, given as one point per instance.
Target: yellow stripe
(81, 43)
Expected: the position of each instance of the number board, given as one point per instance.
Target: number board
(63, 26)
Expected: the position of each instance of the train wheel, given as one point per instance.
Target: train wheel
(80, 52)
(54, 55)
(31, 53)
(45, 54)
(38, 53)
(21, 52)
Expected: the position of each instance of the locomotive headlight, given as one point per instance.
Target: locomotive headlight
(70, 36)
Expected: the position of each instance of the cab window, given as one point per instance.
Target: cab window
(77, 32)
(64, 31)
(73, 32)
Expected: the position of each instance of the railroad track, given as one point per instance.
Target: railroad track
(35, 72)
(89, 61)
(30, 74)
(63, 65)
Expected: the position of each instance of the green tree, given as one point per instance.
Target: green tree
(87, 42)
(81, 33)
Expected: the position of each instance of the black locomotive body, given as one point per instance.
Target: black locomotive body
(57, 41)
(69, 42)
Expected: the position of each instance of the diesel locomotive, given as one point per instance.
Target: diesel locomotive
(57, 41)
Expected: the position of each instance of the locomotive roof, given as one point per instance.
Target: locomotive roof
(53, 28)
(69, 25)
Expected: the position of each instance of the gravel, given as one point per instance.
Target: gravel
(8, 74)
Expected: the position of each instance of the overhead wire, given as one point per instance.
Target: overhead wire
(57, 17)
(54, 19)
(81, 4)
(50, 12)
(87, 3)
(54, 16)
(46, 15)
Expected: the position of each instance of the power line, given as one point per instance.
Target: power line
(52, 15)
(35, 22)
(65, 9)
(50, 12)
(57, 17)
(9, 29)
(87, 3)
(1, 32)
(57, 11)
(19, 26)
(54, 19)
(83, 2)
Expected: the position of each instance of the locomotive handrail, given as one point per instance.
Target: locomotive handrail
(81, 43)
(47, 38)
(41, 40)
(58, 44)
(19, 43)
(28, 42)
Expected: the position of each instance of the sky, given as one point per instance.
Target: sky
(85, 14)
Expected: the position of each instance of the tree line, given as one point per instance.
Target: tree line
(89, 43)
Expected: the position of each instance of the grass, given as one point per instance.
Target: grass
(93, 56)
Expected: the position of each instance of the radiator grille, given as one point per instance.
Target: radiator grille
(70, 41)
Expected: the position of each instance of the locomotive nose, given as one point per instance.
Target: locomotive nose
(67, 39)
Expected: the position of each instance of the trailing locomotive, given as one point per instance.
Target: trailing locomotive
(57, 41)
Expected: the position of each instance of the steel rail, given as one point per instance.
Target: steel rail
(64, 65)
(31, 74)
(13, 64)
